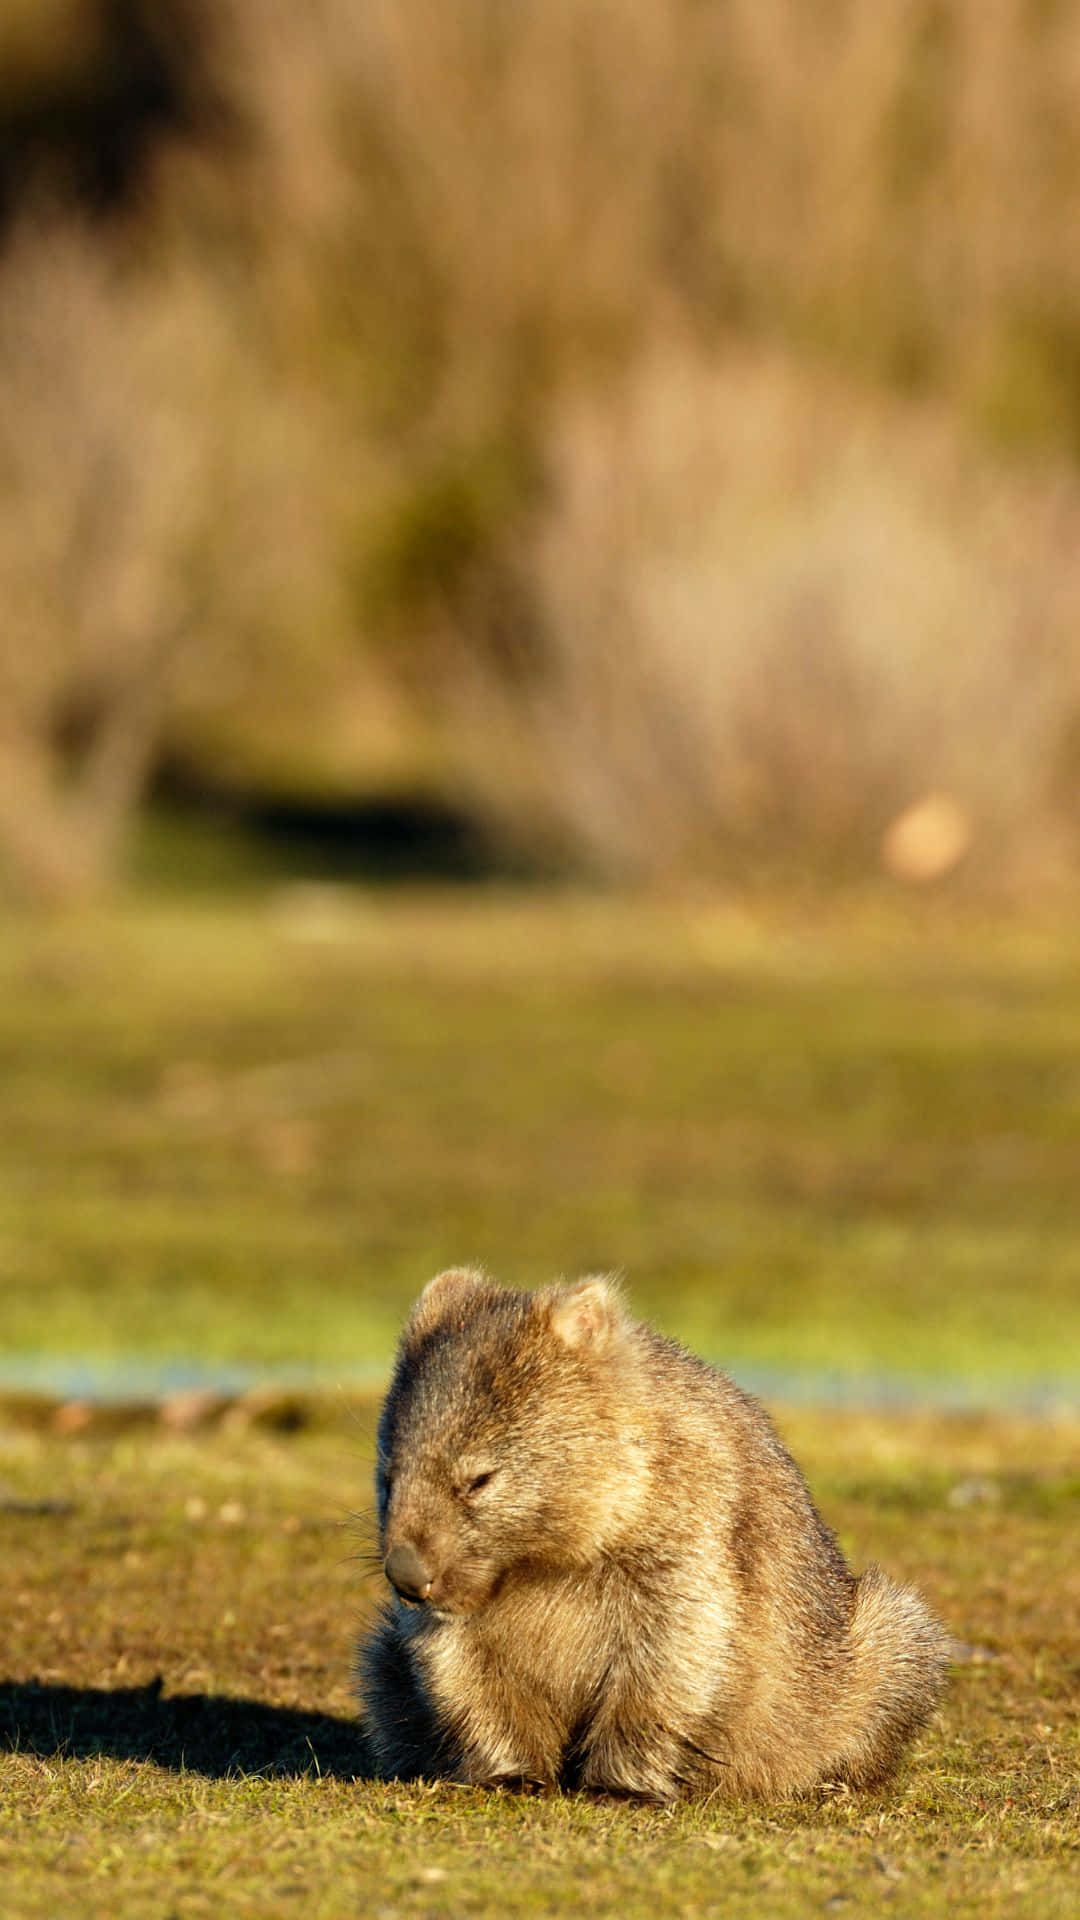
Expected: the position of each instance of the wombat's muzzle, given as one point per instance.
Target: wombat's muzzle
(407, 1573)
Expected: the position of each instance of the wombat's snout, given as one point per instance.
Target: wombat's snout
(407, 1573)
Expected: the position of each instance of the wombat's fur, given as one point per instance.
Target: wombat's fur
(610, 1572)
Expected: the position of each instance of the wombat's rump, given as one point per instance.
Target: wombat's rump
(609, 1573)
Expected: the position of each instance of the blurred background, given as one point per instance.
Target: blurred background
(540, 678)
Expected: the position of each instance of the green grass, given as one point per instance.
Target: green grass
(841, 1141)
(248, 1132)
(178, 1737)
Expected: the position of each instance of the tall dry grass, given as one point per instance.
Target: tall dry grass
(893, 184)
(775, 614)
(163, 543)
(674, 408)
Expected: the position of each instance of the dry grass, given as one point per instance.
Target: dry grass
(491, 350)
(161, 539)
(775, 614)
(895, 180)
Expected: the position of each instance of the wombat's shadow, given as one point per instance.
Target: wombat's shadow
(212, 1734)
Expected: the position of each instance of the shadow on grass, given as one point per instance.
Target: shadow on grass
(212, 1734)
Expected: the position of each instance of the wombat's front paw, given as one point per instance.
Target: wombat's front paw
(623, 1773)
(512, 1782)
(485, 1770)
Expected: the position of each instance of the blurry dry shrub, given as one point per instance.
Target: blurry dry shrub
(481, 194)
(162, 540)
(399, 362)
(774, 613)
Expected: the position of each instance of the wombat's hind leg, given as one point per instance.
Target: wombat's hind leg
(899, 1655)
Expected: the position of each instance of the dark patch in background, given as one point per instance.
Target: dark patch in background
(80, 122)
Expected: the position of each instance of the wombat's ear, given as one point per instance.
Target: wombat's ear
(443, 1296)
(589, 1313)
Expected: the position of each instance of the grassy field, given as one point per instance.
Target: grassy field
(247, 1133)
(177, 1734)
(838, 1144)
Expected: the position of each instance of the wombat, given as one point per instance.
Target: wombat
(609, 1573)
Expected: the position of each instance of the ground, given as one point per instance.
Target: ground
(835, 1150)
(178, 1734)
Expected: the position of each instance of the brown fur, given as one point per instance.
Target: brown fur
(639, 1596)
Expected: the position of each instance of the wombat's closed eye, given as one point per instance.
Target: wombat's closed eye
(477, 1482)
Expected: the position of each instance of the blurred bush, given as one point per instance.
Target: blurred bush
(660, 422)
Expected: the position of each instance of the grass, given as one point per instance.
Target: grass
(839, 1142)
(247, 1130)
(177, 1733)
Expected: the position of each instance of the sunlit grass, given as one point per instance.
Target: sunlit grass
(177, 1730)
(247, 1133)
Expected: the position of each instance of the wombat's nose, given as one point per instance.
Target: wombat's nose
(406, 1571)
